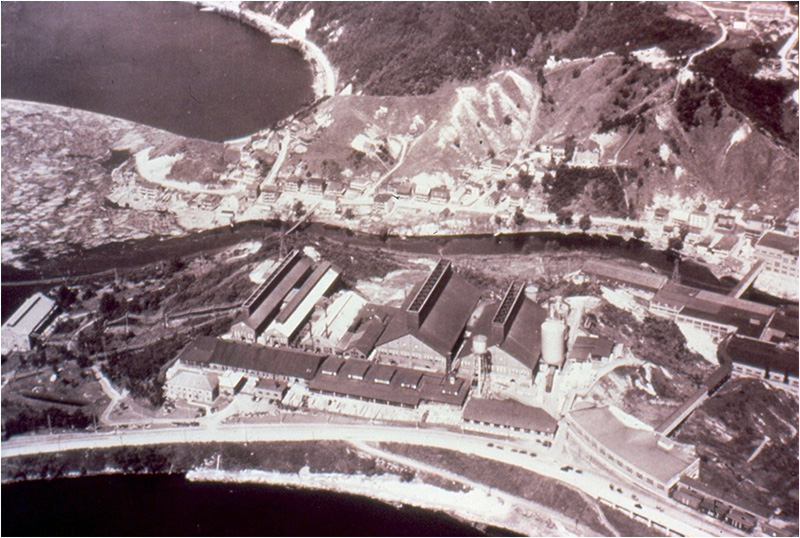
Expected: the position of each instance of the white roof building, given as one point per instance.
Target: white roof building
(29, 319)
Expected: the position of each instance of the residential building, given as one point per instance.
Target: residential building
(360, 183)
(440, 195)
(779, 253)
(383, 202)
(269, 194)
(511, 330)
(336, 188)
(494, 198)
(404, 190)
(27, 322)
(292, 184)
(699, 220)
(426, 331)
(726, 223)
(613, 439)
(314, 185)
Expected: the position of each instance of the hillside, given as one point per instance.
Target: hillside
(415, 47)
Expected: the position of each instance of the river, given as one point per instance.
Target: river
(164, 64)
(168, 505)
(135, 253)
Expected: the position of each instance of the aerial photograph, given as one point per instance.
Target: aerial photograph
(306, 268)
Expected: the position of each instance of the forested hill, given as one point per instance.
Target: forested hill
(401, 48)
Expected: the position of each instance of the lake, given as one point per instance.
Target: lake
(164, 64)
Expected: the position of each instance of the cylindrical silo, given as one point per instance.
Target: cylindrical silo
(479, 344)
(553, 342)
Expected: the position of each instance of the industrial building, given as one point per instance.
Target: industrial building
(611, 438)
(588, 348)
(777, 364)
(217, 356)
(779, 253)
(624, 276)
(712, 312)
(509, 417)
(425, 333)
(27, 322)
(280, 307)
(191, 386)
(507, 338)
(723, 506)
(384, 384)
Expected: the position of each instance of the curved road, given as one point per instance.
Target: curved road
(665, 511)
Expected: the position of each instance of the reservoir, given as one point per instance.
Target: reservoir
(164, 64)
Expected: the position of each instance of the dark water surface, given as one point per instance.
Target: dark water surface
(164, 64)
(168, 505)
(135, 253)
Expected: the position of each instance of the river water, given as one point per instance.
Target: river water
(168, 505)
(135, 253)
(164, 64)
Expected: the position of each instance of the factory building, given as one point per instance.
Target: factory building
(608, 437)
(509, 417)
(712, 312)
(426, 331)
(623, 276)
(506, 340)
(27, 322)
(283, 303)
(217, 356)
(389, 385)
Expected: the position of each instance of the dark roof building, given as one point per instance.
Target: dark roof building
(626, 276)
(510, 414)
(434, 315)
(512, 325)
(764, 360)
(208, 352)
(713, 312)
(590, 347)
(384, 384)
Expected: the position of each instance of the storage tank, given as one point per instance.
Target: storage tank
(479, 344)
(553, 342)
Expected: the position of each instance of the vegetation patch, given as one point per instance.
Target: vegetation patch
(600, 185)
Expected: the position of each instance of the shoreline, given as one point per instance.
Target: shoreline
(473, 507)
(324, 78)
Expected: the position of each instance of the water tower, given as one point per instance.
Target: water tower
(483, 366)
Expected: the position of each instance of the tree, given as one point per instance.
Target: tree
(348, 213)
(675, 243)
(299, 209)
(108, 304)
(65, 297)
(585, 223)
(638, 233)
(525, 180)
(501, 184)
(564, 217)
(519, 217)
(507, 120)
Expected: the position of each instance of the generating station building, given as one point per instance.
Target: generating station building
(27, 322)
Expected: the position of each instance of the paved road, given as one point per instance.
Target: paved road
(546, 464)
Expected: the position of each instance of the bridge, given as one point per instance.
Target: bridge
(748, 280)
